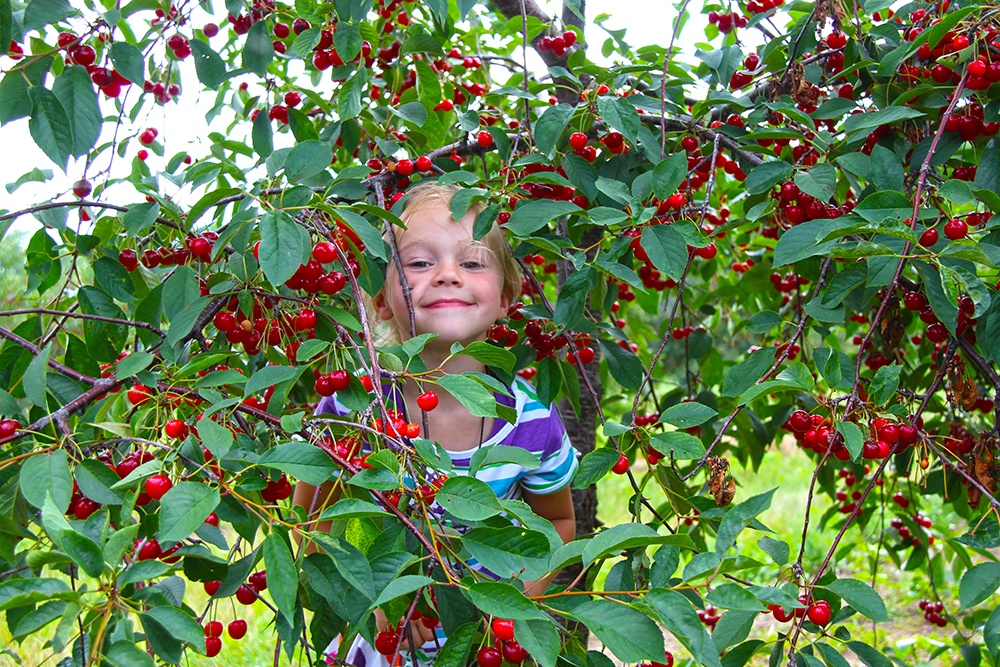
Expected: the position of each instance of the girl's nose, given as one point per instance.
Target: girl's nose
(447, 273)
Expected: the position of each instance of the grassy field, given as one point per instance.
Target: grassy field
(908, 635)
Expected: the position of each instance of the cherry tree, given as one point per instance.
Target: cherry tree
(726, 251)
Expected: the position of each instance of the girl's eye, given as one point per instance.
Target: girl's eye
(418, 264)
(472, 264)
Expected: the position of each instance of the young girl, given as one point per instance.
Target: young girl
(458, 289)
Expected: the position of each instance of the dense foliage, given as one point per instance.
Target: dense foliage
(793, 244)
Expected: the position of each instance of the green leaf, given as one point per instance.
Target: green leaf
(179, 624)
(776, 549)
(887, 170)
(991, 635)
(284, 246)
(6, 22)
(624, 536)
(745, 374)
(41, 13)
(978, 583)
(666, 249)
(668, 174)
(512, 551)
(184, 508)
(499, 599)
(271, 375)
(550, 126)
(76, 94)
(621, 115)
(488, 457)
(739, 517)
(36, 175)
(871, 120)
(301, 460)
(211, 68)
(47, 475)
(307, 159)
(349, 100)
(14, 100)
(734, 596)
(869, 656)
(129, 63)
(531, 215)
(819, 182)
(352, 508)
(625, 367)
(468, 498)
(347, 40)
(861, 597)
(403, 585)
(20, 592)
(854, 439)
(679, 445)
(50, 126)
(882, 205)
(95, 479)
(594, 466)
(124, 653)
(885, 383)
(455, 652)
(687, 414)
(804, 241)
(282, 577)
(217, 438)
(208, 201)
(765, 176)
(631, 635)
(476, 398)
(489, 355)
(84, 552)
(35, 377)
(675, 612)
(540, 638)
(258, 50)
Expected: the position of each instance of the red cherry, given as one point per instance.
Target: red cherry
(212, 646)
(324, 252)
(427, 401)
(929, 238)
(157, 486)
(258, 580)
(246, 595)
(212, 587)
(484, 139)
(212, 519)
(819, 613)
(84, 507)
(621, 466)
(237, 629)
(177, 429)
(387, 641)
(138, 394)
(213, 629)
(149, 550)
(489, 657)
(129, 259)
(82, 188)
(578, 140)
(8, 428)
(956, 229)
(514, 653)
(424, 164)
(503, 629)
(306, 319)
(404, 167)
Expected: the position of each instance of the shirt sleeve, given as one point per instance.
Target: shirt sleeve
(559, 460)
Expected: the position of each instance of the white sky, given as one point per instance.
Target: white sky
(180, 129)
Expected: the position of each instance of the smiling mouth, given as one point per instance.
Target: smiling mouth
(449, 303)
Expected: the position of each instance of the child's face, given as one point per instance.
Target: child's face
(455, 286)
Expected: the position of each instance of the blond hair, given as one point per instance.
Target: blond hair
(429, 194)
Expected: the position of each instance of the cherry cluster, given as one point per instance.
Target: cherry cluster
(558, 44)
(728, 21)
(932, 612)
(818, 613)
(236, 628)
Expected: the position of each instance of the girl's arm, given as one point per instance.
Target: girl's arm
(303, 495)
(558, 508)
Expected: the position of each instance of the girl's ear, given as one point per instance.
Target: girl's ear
(381, 305)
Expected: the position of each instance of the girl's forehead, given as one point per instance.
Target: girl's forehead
(435, 222)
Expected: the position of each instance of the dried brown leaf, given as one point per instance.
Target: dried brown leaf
(720, 482)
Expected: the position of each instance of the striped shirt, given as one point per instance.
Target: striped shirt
(537, 429)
